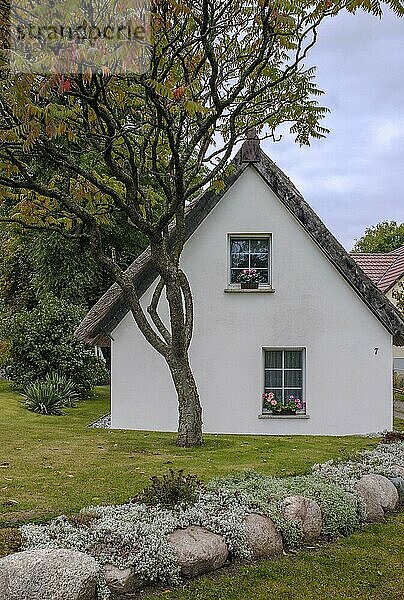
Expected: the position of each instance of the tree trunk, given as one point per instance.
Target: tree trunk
(189, 406)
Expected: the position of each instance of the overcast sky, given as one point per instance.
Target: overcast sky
(355, 177)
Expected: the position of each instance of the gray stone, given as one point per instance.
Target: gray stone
(398, 483)
(198, 550)
(122, 581)
(307, 512)
(48, 574)
(398, 470)
(379, 495)
(262, 536)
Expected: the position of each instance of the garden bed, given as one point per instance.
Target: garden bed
(248, 515)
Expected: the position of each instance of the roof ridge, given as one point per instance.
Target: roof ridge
(398, 259)
(399, 251)
(386, 271)
(372, 253)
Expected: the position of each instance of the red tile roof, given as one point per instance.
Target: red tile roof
(384, 269)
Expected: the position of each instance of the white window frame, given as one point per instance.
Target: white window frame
(303, 369)
(249, 235)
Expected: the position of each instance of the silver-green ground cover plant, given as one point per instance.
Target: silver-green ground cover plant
(136, 535)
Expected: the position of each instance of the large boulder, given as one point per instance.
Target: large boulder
(122, 581)
(262, 536)
(198, 550)
(48, 574)
(398, 483)
(307, 512)
(379, 495)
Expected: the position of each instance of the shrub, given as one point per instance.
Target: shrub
(172, 489)
(392, 437)
(48, 397)
(42, 397)
(10, 540)
(398, 381)
(64, 388)
(382, 460)
(41, 342)
(136, 535)
(342, 512)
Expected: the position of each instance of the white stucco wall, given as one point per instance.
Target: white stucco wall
(398, 351)
(348, 385)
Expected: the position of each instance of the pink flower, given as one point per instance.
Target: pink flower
(274, 402)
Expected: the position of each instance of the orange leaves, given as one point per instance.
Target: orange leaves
(64, 85)
(179, 92)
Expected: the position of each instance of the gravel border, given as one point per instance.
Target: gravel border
(103, 422)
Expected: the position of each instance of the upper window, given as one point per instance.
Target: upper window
(284, 378)
(252, 253)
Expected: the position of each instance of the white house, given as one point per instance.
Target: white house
(386, 270)
(317, 327)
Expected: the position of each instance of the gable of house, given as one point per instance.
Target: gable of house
(111, 308)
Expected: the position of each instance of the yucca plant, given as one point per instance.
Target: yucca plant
(42, 397)
(49, 396)
(64, 387)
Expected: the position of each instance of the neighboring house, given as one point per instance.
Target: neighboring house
(386, 270)
(317, 327)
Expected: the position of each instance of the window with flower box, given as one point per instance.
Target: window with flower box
(284, 381)
(250, 260)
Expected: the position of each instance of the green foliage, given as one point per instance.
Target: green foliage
(398, 295)
(383, 237)
(41, 341)
(16, 286)
(79, 150)
(35, 264)
(64, 388)
(398, 386)
(341, 512)
(171, 489)
(10, 540)
(42, 397)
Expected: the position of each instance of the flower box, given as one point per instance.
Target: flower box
(283, 411)
(276, 407)
(249, 285)
(248, 279)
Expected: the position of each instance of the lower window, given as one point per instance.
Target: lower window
(284, 382)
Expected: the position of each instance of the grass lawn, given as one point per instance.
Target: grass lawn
(53, 465)
(399, 424)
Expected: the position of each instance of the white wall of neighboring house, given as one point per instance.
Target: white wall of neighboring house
(398, 351)
(348, 386)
